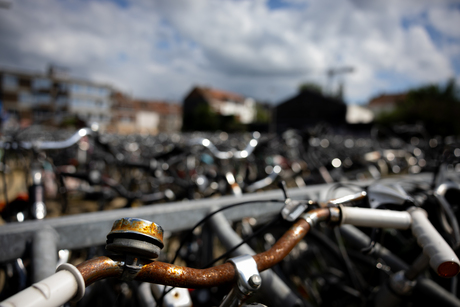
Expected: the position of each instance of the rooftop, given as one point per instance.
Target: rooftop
(220, 94)
(386, 99)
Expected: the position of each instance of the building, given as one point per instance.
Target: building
(158, 116)
(169, 114)
(385, 103)
(123, 114)
(144, 116)
(307, 109)
(40, 98)
(219, 102)
(357, 114)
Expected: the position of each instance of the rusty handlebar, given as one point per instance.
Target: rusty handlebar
(185, 277)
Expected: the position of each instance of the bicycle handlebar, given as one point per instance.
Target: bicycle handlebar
(177, 276)
(442, 258)
(365, 217)
(449, 223)
(154, 272)
(48, 145)
(66, 284)
(226, 155)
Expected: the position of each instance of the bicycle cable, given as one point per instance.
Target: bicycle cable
(257, 232)
(203, 220)
(277, 219)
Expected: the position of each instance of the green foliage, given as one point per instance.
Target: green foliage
(434, 106)
(201, 119)
(229, 123)
(204, 119)
(262, 114)
(310, 86)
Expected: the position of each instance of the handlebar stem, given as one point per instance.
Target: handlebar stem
(249, 280)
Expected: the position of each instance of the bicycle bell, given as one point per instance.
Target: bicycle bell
(135, 237)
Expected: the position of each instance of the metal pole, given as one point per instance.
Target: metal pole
(44, 252)
(273, 288)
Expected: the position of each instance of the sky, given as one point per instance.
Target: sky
(155, 49)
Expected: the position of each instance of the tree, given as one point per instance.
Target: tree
(436, 107)
(201, 119)
(310, 86)
(262, 113)
(229, 123)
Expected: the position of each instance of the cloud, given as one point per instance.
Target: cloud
(160, 49)
(446, 20)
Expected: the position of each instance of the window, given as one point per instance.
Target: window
(63, 87)
(92, 104)
(95, 91)
(42, 98)
(26, 98)
(61, 100)
(75, 102)
(77, 88)
(10, 82)
(102, 92)
(41, 114)
(41, 83)
(73, 88)
(13, 113)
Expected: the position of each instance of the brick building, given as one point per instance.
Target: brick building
(144, 116)
(385, 103)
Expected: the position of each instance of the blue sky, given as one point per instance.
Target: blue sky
(262, 48)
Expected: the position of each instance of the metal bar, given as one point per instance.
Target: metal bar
(44, 253)
(90, 229)
(359, 240)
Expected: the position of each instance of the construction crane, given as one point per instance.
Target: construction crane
(331, 73)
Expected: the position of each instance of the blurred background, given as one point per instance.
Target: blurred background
(336, 90)
(134, 66)
(110, 104)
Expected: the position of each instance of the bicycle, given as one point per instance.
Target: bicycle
(136, 239)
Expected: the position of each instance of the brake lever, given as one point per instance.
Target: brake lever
(293, 209)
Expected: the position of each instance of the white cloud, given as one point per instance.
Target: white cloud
(446, 20)
(160, 49)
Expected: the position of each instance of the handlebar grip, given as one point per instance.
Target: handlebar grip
(442, 258)
(55, 290)
(366, 217)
